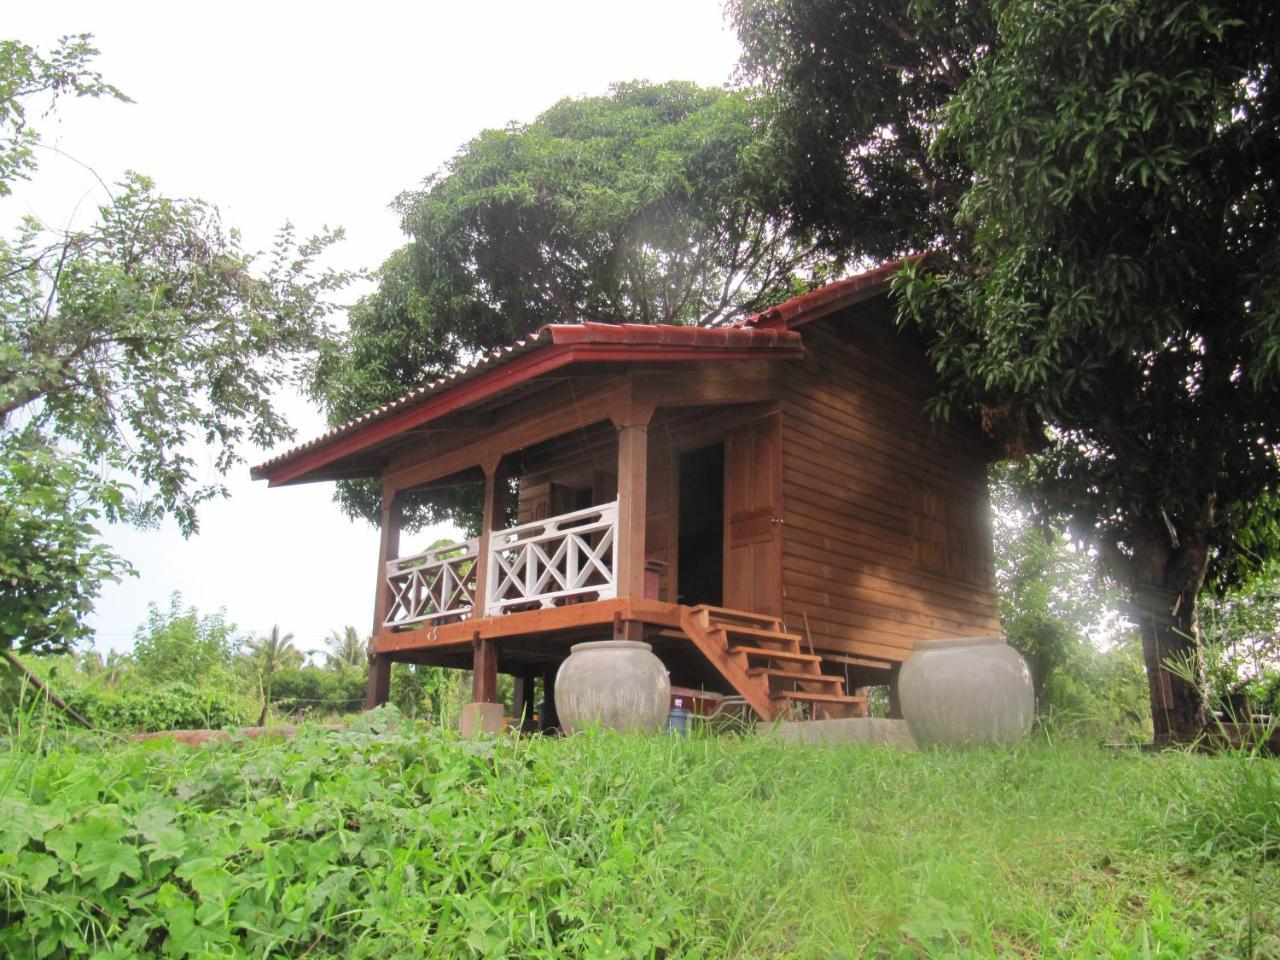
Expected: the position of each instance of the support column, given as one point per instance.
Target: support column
(548, 719)
(484, 670)
(895, 700)
(633, 496)
(379, 688)
(522, 704)
(484, 714)
(495, 517)
(388, 550)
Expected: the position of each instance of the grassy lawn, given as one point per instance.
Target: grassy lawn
(392, 840)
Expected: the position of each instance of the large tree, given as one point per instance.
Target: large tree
(130, 349)
(645, 205)
(1096, 183)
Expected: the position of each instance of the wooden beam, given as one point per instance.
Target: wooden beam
(484, 671)
(573, 619)
(388, 550)
(543, 418)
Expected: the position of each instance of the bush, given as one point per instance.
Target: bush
(173, 706)
(309, 690)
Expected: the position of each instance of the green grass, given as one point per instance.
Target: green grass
(391, 840)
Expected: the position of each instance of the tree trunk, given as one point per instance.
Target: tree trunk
(1166, 619)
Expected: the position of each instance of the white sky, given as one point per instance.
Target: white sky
(319, 113)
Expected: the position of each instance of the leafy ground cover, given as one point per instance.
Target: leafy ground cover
(393, 839)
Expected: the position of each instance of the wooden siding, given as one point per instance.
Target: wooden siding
(886, 527)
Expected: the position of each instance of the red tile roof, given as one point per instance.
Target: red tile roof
(551, 347)
(768, 333)
(826, 299)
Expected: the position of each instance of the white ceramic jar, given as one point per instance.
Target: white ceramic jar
(966, 690)
(618, 684)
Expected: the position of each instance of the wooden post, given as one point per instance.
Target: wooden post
(895, 702)
(379, 690)
(548, 719)
(388, 550)
(633, 490)
(495, 516)
(522, 703)
(484, 671)
(633, 494)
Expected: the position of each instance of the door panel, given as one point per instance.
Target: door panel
(753, 518)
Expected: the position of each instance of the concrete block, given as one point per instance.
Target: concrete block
(480, 718)
(894, 733)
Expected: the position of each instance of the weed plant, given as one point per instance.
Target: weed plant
(390, 839)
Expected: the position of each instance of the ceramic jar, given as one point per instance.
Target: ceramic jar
(966, 690)
(618, 684)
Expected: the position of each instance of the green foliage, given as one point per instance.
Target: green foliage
(25, 73)
(180, 645)
(1242, 637)
(347, 650)
(1228, 809)
(267, 655)
(853, 94)
(304, 691)
(1102, 291)
(384, 840)
(134, 345)
(52, 564)
(429, 692)
(1061, 612)
(645, 205)
(172, 705)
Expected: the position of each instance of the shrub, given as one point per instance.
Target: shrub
(173, 706)
(309, 690)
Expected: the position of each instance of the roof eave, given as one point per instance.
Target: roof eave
(301, 465)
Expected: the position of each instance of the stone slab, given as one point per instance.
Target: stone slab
(894, 733)
(480, 718)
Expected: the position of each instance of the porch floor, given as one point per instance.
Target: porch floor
(728, 651)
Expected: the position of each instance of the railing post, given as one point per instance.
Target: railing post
(495, 511)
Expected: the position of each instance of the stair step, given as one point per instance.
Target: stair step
(816, 697)
(777, 654)
(726, 613)
(794, 675)
(728, 628)
(858, 661)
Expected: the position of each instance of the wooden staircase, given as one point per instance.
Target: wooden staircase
(767, 666)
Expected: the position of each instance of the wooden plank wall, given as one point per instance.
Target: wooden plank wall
(887, 529)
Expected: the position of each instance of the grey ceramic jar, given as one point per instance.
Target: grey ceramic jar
(618, 684)
(966, 690)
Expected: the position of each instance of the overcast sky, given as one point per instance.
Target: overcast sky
(320, 114)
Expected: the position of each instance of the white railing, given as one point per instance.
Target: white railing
(435, 585)
(549, 562)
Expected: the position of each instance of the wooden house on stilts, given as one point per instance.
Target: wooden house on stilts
(765, 503)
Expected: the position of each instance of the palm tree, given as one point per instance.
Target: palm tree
(270, 653)
(346, 649)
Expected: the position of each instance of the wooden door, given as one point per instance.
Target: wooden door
(753, 518)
